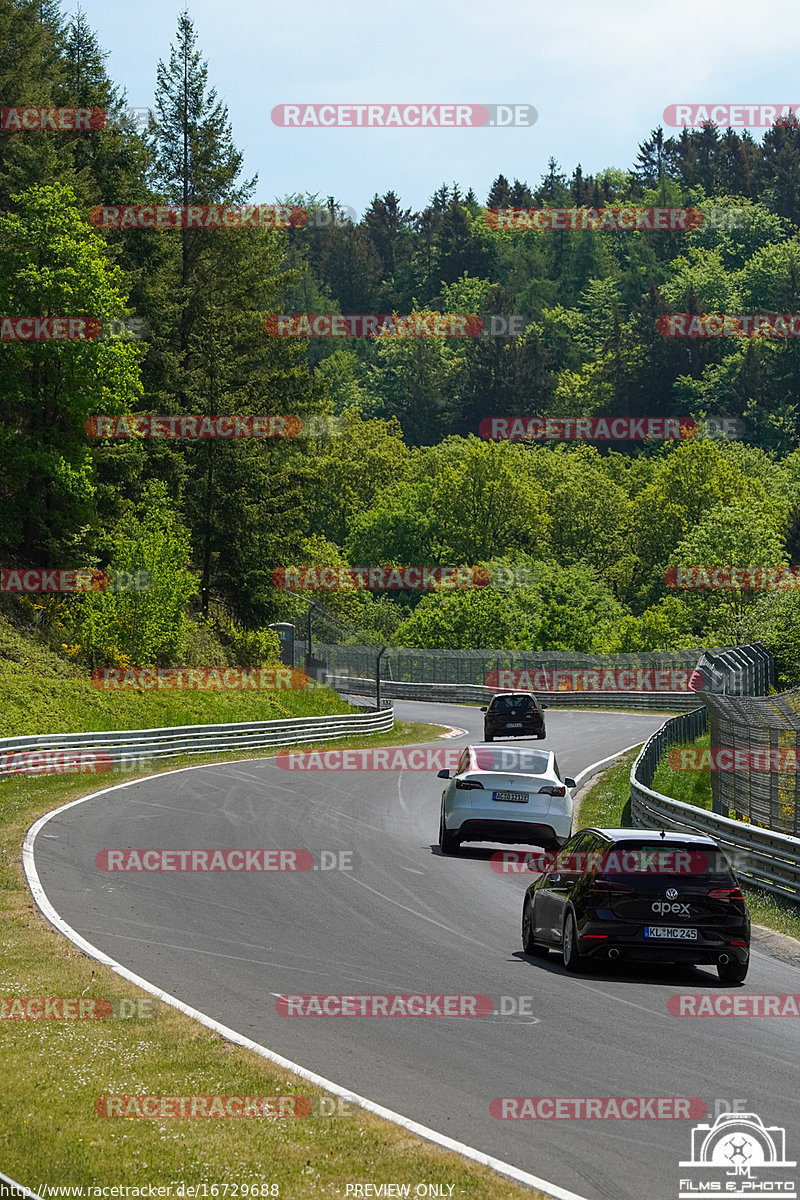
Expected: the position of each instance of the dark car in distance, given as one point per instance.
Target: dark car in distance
(639, 895)
(513, 714)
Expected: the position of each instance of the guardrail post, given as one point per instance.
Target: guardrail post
(378, 677)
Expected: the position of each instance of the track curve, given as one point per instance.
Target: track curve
(404, 919)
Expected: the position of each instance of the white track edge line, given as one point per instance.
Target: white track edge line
(20, 1187)
(596, 765)
(232, 1035)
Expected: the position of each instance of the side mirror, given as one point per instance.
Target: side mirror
(484, 708)
(570, 783)
(442, 774)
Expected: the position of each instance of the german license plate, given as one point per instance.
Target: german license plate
(513, 797)
(666, 931)
(513, 724)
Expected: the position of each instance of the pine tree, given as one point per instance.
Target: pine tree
(110, 164)
(388, 226)
(194, 158)
(499, 194)
(207, 294)
(521, 195)
(31, 70)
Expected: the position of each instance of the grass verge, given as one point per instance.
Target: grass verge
(690, 787)
(608, 803)
(53, 1071)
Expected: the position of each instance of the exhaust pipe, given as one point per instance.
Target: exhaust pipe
(723, 958)
(613, 953)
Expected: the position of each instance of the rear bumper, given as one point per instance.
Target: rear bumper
(528, 833)
(534, 730)
(634, 947)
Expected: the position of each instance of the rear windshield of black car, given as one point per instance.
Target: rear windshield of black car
(514, 704)
(670, 862)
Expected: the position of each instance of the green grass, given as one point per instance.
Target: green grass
(690, 787)
(608, 803)
(43, 692)
(53, 1070)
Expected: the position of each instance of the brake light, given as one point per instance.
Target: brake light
(605, 887)
(734, 894)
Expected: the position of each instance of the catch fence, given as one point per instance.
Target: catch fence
(768, 798)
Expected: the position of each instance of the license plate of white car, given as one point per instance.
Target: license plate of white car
(664, 931)
(513, 797)
(513, 724)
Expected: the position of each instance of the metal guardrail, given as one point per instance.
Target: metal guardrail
(762, 857)
(125, 747)
(475, 693)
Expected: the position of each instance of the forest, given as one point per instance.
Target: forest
(387, 461)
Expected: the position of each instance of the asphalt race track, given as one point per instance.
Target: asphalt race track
(405, 919)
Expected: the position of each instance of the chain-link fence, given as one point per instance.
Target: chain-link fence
(743, 670)
(767, 797)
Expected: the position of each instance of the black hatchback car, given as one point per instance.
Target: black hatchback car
(513, 714)
(642, 896)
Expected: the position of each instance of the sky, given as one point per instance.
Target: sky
(599, 75)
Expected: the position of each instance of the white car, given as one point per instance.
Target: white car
(505, 794)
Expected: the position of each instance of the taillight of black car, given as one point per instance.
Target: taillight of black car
(733, 895)
(605, 888)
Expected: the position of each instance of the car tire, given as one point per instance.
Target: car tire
(569, 944)
(487, 737)
(733, 971)
(448, 842)
(534, 949)
(541, 735)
